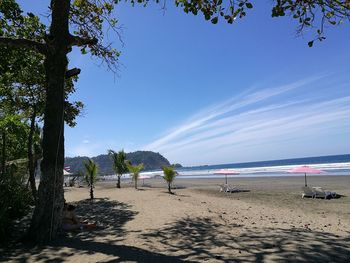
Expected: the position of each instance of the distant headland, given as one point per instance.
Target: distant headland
(151, 161)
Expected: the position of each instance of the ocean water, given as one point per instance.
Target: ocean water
(330, 165)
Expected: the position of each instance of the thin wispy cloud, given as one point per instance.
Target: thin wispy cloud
(270, 115)
(85, 149)
(94, 147)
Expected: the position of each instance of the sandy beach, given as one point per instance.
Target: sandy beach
(269, 222)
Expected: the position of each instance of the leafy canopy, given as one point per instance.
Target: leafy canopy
(23, 81)
(15, 132)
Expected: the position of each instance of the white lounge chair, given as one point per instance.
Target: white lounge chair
(322, 193)
(228, 188)
(308, 192)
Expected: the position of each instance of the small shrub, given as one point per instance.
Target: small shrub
(15, 201)
(169, 176)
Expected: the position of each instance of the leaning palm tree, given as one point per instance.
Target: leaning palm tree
(135, 171)
(91, 175)
(119, 164)
(169, 176)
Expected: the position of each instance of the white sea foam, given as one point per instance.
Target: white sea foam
(259, 171)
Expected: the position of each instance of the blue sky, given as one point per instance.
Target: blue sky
(206, 94)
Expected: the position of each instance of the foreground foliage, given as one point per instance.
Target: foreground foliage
(15, 198)
(23, 82)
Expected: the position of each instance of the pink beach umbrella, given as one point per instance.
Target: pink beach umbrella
(305, 170)
(226, 172)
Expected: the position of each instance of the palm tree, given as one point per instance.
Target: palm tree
(119, 164)
(91, 175)
(135, 171)
(169, 176)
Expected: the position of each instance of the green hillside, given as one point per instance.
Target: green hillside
(151, 161)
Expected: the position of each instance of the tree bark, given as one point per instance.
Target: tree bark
(91, 187)
(48, 211)
(33, 45)
(3, 153)
(169, 188)
(118, 182)
(31, 161)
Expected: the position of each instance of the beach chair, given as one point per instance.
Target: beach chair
(222, 187)
(228, 188)
(308, 192)
(320, 193)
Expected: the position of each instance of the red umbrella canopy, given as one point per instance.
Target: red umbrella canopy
(305, 170)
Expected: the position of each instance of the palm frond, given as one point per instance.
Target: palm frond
(169, 173)
(135, 170)
(91, 171)
(119, 161)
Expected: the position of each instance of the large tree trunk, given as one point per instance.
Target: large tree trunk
(31, 161)
(3, 153)
(48, 211)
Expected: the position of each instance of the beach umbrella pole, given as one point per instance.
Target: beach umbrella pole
(305, 180)
(226, 178)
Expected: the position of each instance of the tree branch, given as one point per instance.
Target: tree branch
(79, 41)
(23, 43)
(72, 72)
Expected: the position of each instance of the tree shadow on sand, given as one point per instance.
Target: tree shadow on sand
(202, 239)
(111, 217)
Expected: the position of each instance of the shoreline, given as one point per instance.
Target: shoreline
(209, 177)
(297, 180)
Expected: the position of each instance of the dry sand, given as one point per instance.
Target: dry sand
(268, 223)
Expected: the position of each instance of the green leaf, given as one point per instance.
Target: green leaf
(214, 20)
(249, 5)
(311, 43)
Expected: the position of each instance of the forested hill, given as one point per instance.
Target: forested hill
(151, 161)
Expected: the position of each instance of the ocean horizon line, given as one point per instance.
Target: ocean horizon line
(338, 158)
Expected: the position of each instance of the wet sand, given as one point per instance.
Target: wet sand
(269, 222)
